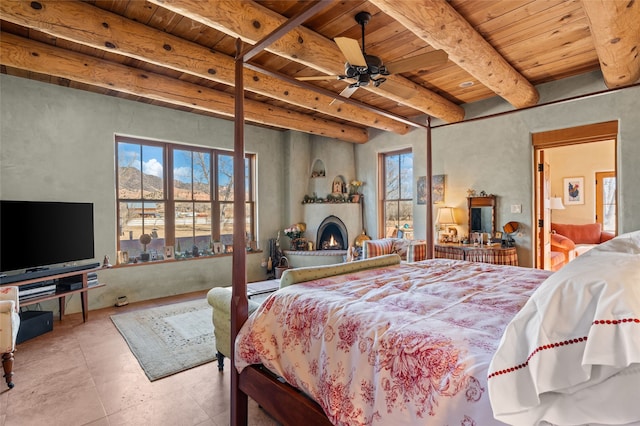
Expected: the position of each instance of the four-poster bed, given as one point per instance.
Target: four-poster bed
(449, 342)
(501, 288)
(286, 403)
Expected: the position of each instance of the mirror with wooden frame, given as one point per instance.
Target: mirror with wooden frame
(482, 214)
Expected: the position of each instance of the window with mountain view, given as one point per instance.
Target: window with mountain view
(397, 198)
(177, 197)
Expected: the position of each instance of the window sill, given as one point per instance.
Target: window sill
(181, 259)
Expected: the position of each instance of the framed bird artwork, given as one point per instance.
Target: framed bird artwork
(573, 191)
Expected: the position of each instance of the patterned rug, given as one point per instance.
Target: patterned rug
(169, 339)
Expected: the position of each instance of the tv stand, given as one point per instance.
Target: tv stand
(57, 278)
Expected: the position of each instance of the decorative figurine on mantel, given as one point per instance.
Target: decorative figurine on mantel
(471, 192)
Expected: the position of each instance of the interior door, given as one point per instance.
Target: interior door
(543, 220)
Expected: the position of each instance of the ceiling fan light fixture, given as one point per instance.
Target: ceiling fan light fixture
(364, 79)
(350, 71)
(378, 81)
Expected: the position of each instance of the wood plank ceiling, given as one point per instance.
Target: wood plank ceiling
(179, 54)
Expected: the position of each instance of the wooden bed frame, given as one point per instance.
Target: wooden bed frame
(282, 401)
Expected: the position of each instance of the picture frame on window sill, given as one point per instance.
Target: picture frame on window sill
(217, 248)
(573, 191)
(169, 253)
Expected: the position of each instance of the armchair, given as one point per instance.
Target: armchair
(9, 324)
(408, 250)
(565, 247)
(585, 237)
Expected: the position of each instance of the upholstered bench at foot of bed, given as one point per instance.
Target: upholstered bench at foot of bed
(220, 300)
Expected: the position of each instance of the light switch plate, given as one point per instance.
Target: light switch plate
(516, 208)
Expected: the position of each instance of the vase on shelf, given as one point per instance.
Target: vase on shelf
(355, 198)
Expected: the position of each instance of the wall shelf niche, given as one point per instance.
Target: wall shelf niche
(318, 170)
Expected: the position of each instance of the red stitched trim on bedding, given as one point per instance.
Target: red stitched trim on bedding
(538, 349)
(564, 343)
(613, 322)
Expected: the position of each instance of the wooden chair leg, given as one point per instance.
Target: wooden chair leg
(7, 365)
(220, 358)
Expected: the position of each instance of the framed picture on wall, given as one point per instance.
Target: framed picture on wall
(437, 189)
(422, 190)
(573, 191)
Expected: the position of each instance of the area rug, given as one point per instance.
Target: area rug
(169, 339)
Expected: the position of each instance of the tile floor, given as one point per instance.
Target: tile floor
(85, 374)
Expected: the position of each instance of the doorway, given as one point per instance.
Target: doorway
(562, 158)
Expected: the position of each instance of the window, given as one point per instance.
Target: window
(397, 198)
(182, 197)
(606, 200)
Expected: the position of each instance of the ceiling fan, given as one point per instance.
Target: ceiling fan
(362, 70)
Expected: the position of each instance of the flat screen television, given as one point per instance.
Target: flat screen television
(39, 234)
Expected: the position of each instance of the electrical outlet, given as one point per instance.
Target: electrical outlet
(516, 208)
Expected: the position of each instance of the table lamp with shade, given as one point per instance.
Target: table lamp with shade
(555, 203)
(446, 220)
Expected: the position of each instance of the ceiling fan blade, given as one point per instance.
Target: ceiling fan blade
(346, 93)
(398, 89)
(320, 77)
(351, 51)
(429, 59)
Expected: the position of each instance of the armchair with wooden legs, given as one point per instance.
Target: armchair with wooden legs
(9, 324)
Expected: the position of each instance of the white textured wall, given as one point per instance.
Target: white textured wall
(58, 144)
(496, 154)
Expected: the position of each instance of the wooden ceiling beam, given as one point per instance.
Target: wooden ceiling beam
(38, 57)
(91, 26)
(251, 22)
(438, 24)
(615, 30)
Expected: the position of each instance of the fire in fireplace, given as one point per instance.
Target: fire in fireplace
(332, 234)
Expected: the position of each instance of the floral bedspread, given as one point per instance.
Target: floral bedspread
(404, 344)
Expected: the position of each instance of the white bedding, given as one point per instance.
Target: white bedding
(571, 356)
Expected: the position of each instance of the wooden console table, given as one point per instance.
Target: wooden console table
(56, 279)
(496, 255)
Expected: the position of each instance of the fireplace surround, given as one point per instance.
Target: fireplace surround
(344, 219)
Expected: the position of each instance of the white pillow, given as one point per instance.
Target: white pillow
(575, 340)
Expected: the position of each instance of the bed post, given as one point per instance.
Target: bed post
(429, 221)
(239, 303)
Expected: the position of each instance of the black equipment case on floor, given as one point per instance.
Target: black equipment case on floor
(33, 324)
